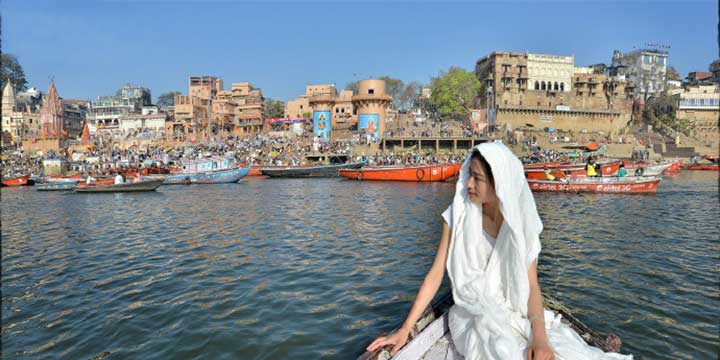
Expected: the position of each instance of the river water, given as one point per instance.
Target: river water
(293, 268)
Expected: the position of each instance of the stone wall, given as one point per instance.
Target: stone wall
(608, 123)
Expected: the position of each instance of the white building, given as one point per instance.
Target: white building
(646, 69)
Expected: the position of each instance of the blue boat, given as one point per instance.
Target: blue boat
(57, 186)
(207, 177)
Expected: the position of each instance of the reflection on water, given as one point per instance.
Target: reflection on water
(271, 269)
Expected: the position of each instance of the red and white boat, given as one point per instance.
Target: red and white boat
(548, 165)
(16, 181)
(603, 185)
(707, 167)
(572, 171)
(421, 173)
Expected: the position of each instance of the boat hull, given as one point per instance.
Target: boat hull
(147, 185)
(57, 186)
(309, 171)
(16, 181)
(425, 173)
(713, 167)
(631, 185)
(207, 177)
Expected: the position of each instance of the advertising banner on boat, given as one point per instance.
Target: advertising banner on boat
(370, 125)
(321, 124)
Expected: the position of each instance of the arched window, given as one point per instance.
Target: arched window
(537, 85)
(542, 85)
(556, 86)
(562, 86)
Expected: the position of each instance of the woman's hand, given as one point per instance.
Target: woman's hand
(540, 350)
(397, 339)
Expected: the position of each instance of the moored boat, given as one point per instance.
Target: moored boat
(206, 177)
(16, 181)
(309, 171)
(573, 171)
(420, 173)
(605, 185)
(548, 165)
(56, 185)
(106, 181)
(144, 185)
(707, 167)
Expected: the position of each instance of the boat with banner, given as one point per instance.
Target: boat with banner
(16, 180)
(144, 185)
(419, 173)
(309, 171)
(605, 185)
(573, 170)
(57, 185)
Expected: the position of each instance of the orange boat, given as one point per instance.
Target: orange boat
(573, 171)
(709, 167)
(549, 165)
(16, 181)
(422, 173)
(108, 181)
(607, 185)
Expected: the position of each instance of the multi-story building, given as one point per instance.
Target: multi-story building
(210, 108)
(298, 108)
(105, 113)
(700, 78)
(342, 111)
(644, 68)
(700, 104)
(549, 91)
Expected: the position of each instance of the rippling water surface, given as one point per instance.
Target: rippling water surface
(275, 269)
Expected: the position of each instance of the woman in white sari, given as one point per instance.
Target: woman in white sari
(490, 244)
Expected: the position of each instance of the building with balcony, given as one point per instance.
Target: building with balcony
(645, 68)
(549, 91)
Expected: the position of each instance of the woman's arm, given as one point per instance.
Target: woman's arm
(539, 347)
(426, 293)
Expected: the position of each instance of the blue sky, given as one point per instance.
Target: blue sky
(92, 48)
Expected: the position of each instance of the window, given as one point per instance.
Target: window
(505, 102)
(542, 85)
(537, 85)
(562, 86)
(371, 91)
(556, 86)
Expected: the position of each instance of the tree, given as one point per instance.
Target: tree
(714, 66)
(12, 70)
(393, 87)
(672, 74)
(274, 108)
(353, 86)
(454, 92)
(409, 94)
(167, 99)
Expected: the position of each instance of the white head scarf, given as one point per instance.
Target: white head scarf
(515, 248)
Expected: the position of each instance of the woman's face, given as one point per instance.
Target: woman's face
(479, 188)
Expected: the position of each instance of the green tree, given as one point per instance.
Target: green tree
(307, 115)
(672, 74)
(274, 108)
(167, 99)
(454, 92)
(11, 69)
(661, 112)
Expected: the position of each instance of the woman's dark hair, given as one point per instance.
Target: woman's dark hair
(485, 166)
